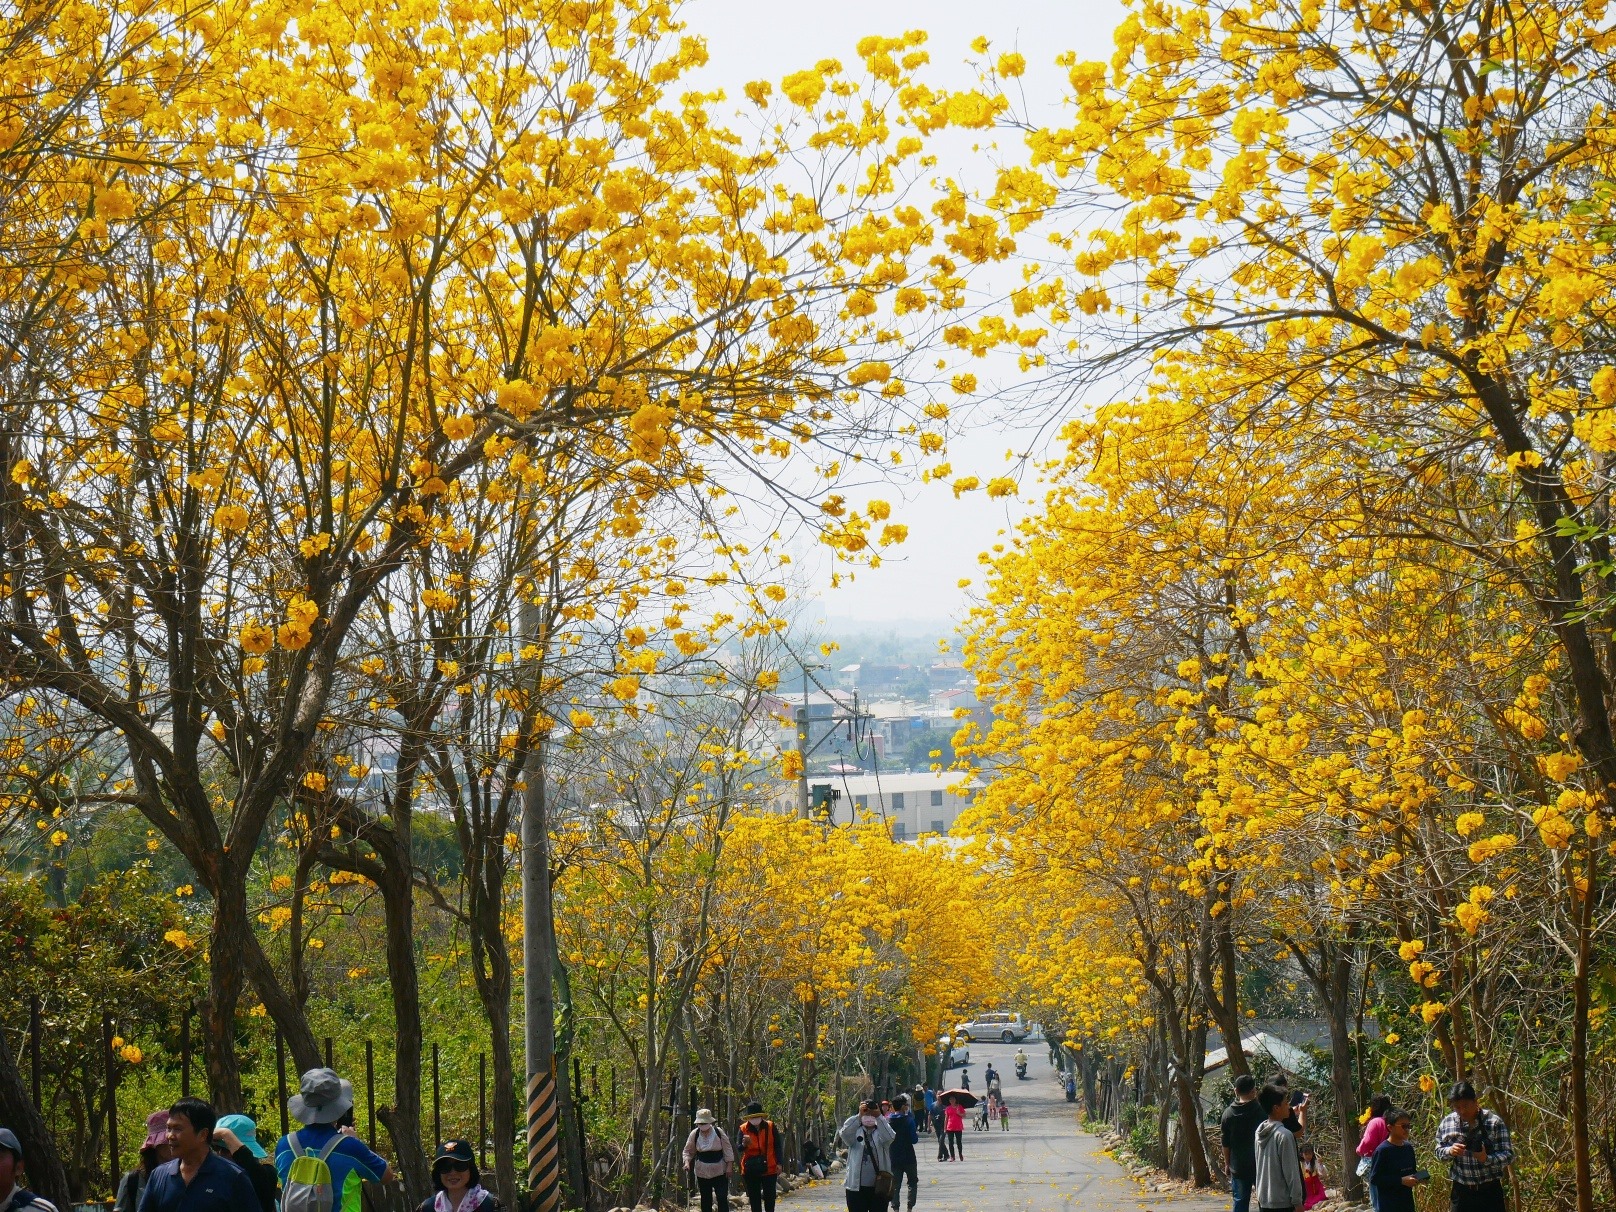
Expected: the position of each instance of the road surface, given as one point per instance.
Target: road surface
(1045, 1163)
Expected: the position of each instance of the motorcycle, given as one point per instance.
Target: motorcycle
(1021, 1070)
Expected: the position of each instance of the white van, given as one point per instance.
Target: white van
(1010, 1028)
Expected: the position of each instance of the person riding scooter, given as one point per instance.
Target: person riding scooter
(1021, 1064)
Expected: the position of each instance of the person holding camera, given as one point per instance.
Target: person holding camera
(1476, 1143)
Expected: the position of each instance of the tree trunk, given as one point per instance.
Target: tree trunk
(228, 941)
(403, 1118)
(504, 1096)
(1581, 1006)
(46, 1174)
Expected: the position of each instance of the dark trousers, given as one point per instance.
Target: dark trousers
(942, 1139)
(1489, 1197)
(900, 1171)
(956, 1146)
(714, 1193)
(761, 1191)
(864, 1200)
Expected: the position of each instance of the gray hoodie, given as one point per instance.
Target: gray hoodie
(1279, 1168)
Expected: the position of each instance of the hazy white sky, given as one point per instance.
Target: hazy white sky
(749, 40)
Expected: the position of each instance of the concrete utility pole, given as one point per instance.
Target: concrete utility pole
(550, 1153)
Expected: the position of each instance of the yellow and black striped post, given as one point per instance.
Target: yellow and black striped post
(543, 1144)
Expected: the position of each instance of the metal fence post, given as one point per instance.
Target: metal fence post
(112, 1100)
(437, 1104)
(35, 1014)
(370, 1088)
(280, 1076)
(482, 1110)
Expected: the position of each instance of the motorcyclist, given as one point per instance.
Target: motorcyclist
(1021, 1063)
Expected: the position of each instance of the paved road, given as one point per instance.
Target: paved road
(1045, 1163)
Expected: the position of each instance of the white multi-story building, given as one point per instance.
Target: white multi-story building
(912, 805)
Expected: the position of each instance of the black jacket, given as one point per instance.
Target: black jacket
(1240, 1138)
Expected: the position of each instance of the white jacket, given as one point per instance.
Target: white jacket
(855, 1135)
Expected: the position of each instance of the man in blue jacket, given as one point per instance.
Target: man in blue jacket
(904, 1161)
(197, 1179)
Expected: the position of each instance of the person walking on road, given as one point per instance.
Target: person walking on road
(904, 1162)
(954, 1129)
(154, 1151)
(939, 1119)
(13, 1196)
(1004, 1116)
(760, 1158)
(709, 1157)
(1374, 1135)
(324, 1106)
(1278, 1187)
(196, 1179)
(1394, 1171)
(1476, 1144)
(1239, 1126)
(868, 1138)
(457, 1186)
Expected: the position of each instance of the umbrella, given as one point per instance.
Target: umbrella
(963, 1097)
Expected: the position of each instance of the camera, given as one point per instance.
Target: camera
(1299, 1099)
(1475, 1140)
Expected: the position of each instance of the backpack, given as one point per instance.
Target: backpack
(309, 1185)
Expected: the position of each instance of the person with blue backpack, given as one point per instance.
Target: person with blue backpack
(324, 1165)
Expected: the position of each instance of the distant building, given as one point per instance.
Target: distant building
(912, 805)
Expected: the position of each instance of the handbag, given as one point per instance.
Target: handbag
(883, 1178)
(756, 1165)
(1365, 1164)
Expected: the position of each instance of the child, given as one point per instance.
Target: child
(1394, 1171)
(1312, 1177)
(1004, 1116)
(1279, 1166)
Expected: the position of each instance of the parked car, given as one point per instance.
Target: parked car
(953, 1057)
(1010, 1028)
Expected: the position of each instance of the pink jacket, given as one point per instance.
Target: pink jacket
(1374, 1132)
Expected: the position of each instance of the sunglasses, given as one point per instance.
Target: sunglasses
(454, 1165)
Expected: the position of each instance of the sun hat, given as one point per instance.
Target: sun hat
(705, 1116)
(752, 1108)
(246, 1131)
(456, 1150)
(8, 1140)
(156, 1130)
(322, 1098)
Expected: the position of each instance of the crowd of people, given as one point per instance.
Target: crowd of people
(1273, 1167)
(195, 1160)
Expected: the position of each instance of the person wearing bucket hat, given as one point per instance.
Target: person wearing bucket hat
(154, 1151)
(13, 1198)
(236, 1136)
(760, 1158)
(458, 1186)
(709, 1156)
(324, 1106)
